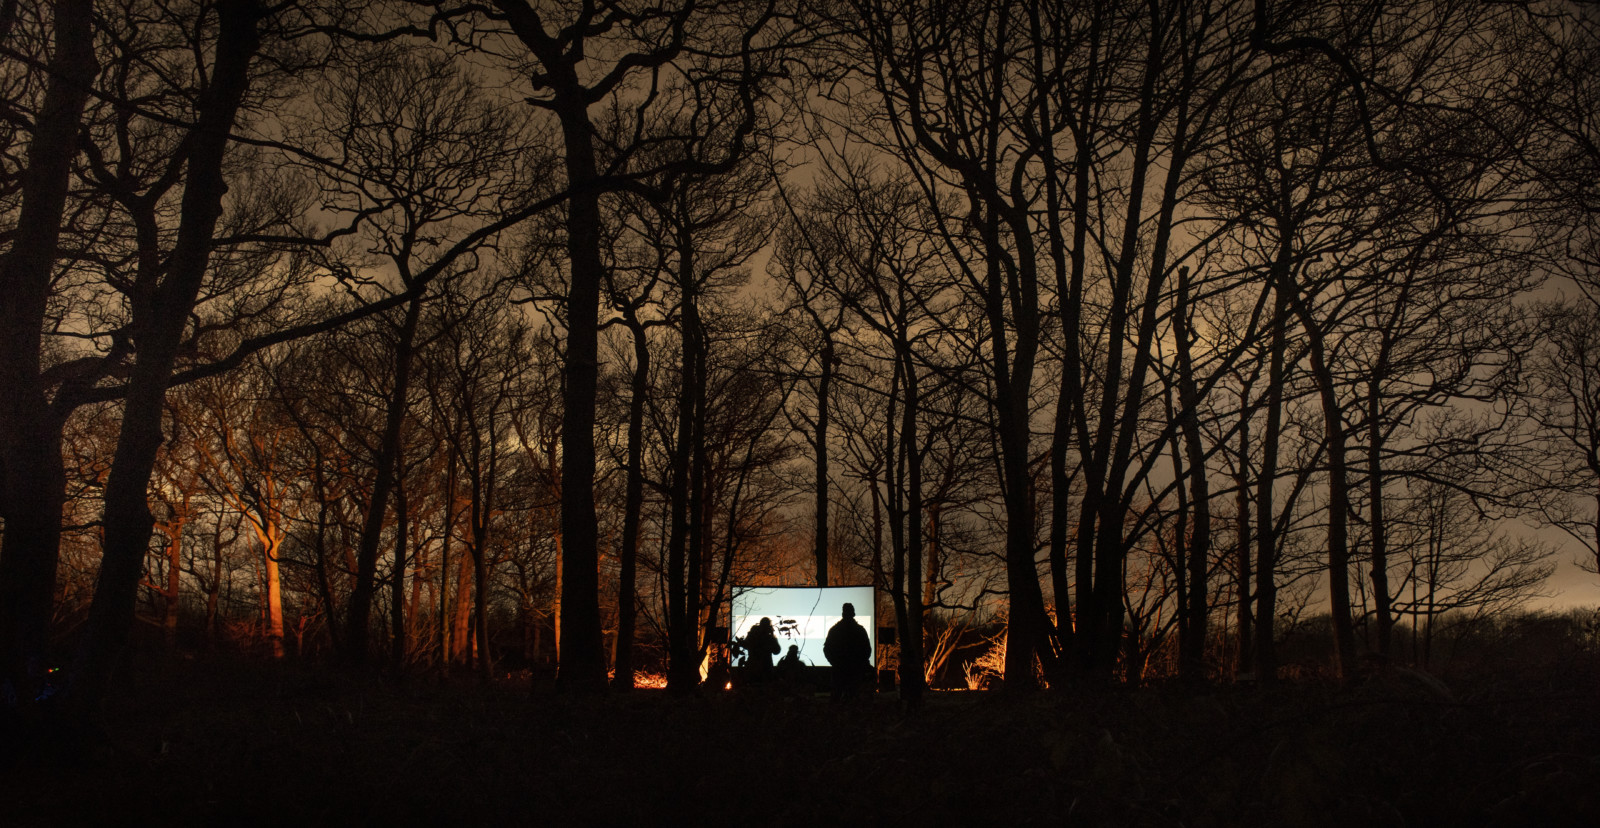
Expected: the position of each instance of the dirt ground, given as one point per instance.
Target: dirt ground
(228, 742)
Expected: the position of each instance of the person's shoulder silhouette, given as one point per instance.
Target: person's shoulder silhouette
(847, 640)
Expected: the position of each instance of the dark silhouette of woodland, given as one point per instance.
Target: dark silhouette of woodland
(414, 381)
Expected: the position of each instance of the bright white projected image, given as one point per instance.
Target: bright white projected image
(802, 616)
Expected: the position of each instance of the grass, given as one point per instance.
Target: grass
(211, 742)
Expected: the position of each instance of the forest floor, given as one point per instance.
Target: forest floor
(229, 742)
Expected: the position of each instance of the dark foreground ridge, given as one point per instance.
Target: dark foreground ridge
(245, 743)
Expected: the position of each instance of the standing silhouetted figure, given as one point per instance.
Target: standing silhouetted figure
(760, 645)
(849, 650)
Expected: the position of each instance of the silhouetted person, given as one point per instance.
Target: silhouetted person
(790, 668)
(760, 645)
(849, 650)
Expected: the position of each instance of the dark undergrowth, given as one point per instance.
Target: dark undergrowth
(228, 742)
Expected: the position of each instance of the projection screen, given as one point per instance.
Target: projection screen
(803, 615)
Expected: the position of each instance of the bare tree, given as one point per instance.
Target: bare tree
(240, 438)
(477, 391)
(705, 66)
(1455, 565)
(446, 160)
(1565, 397)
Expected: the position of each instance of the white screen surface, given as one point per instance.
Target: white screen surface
(802, 616)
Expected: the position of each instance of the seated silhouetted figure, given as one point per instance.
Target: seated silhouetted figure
(849, 650)
(760, 645)
(791, 670)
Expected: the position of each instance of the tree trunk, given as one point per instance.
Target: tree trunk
(1377, 523)
(397, 586)
(912, 680)
(1338, 476)
(35, 496)
(699, 508)
(824, 383)
(1070, 422)
(1111, 548)
(446, 653)
(480, 582)
(684, 549)
(678, 646)
(1013, 377)
(633, 508)
(875, 496)
(1245, 634)
(358, 616)
(1266, 661)
(461, 631)
(1344, 642)
(214, 589)
(420, 564)
(483, 504)
(271, 544)
(1180, 547)
(934, 571)
(555, 609)
(1199, 542)
(128, 522)
(894, 462)
(170, 595)
(582, 661)
(32, 476)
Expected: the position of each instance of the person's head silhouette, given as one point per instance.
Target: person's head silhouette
(849, 611)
